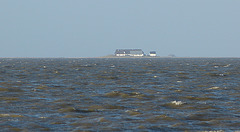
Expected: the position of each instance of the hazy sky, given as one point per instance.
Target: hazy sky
(91, 28)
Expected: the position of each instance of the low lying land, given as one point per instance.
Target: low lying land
(113, 56)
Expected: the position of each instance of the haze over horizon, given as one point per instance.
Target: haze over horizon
(81, 28)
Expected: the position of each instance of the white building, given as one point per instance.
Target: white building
(129, 52)
(152, 53)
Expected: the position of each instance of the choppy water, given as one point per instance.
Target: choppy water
(120, 94)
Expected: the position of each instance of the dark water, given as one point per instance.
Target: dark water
(120, 94)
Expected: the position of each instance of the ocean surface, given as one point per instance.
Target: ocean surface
(121, 94)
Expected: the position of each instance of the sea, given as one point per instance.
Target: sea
(119, 94)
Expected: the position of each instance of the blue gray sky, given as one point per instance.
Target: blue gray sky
(92, 28)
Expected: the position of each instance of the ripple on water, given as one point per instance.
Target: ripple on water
(11, 115)
(119, 94)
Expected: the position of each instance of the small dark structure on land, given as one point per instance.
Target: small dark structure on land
(171, 55)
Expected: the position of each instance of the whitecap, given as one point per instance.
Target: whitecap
(213, 88)
(112, 66)
(177, 102)
(227, 65)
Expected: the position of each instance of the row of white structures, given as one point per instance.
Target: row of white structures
(133, 52)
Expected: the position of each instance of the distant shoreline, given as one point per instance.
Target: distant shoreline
(112, 56)
(116, 57)
(159, 57)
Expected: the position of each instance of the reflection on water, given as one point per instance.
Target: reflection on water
(119, 94)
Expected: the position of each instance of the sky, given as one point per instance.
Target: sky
(93, 28)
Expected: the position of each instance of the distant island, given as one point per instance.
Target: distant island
(113, 56)
(134, 53)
